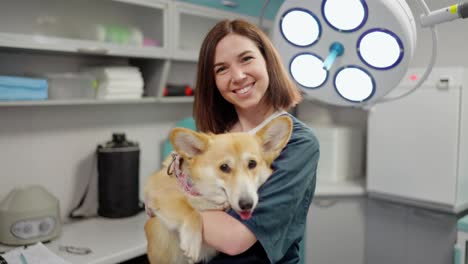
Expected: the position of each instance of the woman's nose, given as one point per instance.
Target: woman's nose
(237, 75)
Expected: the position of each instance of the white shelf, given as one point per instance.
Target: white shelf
(351, 187)
(145, 100)
(175, 99)
(56, 44)
(149, 3)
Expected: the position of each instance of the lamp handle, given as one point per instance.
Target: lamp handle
(428, 70)
(445, 14)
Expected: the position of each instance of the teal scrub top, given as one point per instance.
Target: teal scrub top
(279, 219)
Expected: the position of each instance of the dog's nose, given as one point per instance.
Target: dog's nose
(246, 203)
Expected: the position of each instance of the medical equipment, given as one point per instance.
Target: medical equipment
(353, 52)
(29, 214)
(118, 164)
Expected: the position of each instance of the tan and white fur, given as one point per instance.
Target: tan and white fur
(226, 170)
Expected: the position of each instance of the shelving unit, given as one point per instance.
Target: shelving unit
(53, 31)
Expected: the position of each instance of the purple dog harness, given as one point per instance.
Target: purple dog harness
(184, 180)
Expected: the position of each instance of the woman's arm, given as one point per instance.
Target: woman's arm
(225, 233)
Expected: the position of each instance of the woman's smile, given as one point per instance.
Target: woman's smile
(244, 90)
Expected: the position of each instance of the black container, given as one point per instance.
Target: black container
(118, 180)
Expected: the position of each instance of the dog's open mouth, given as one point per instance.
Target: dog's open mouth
(246, 214)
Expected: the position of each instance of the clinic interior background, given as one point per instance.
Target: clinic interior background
(54, 145)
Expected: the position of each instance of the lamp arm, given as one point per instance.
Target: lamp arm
(262, 12)
(445, 14)
(429, 67)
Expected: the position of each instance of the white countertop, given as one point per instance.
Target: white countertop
(111, 240)
(116, 240)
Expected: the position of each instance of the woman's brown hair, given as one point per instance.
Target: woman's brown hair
(212, 113)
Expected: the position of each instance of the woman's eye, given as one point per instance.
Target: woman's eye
(225, 168)
(247, 58)
(252, 164)
(220, 69)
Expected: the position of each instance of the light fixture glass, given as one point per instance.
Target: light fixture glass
(345, 15)
(300, 27)
(379, 37)
(380, 49)
(307, 70)
(354, 84)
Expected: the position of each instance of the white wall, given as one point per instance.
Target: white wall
(54, 145)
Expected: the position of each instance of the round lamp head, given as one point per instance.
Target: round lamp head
(345, 52)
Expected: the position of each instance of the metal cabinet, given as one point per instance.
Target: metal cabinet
(398, 233)
(418, 146)
(335, 230)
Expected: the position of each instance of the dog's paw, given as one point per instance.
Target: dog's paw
(191, 243)
(149, 207)
(226, 206)
(223, 206)
(149, 211)
(219, 202)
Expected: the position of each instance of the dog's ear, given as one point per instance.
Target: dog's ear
(187, 142)
(275, 135)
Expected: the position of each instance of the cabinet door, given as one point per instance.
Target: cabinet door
(431, 236)
(386, 238)
(190, 23)
(335, 231)
(413, 146)
(117, 28)
(244, 7)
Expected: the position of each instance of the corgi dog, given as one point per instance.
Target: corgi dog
(208, 172)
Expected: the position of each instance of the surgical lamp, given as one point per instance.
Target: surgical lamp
(353, 52)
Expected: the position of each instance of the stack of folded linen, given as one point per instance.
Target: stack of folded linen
(118, 82)
(22, 88)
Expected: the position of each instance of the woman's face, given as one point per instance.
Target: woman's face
(240, 71)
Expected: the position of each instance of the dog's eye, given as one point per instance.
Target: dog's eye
(225, 168)
(252, 164)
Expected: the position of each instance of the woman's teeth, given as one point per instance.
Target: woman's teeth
(244, 90)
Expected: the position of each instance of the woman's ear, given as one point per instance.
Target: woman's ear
(275, 135)
(188, 143)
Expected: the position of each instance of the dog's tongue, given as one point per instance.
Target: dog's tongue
(245, 215)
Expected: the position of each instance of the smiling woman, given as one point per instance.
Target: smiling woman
(239, 70)
(241, 86)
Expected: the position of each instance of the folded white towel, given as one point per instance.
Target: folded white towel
(121, 96)
(115, 70)
(100, 94)
(132, 85)
(108, 75)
